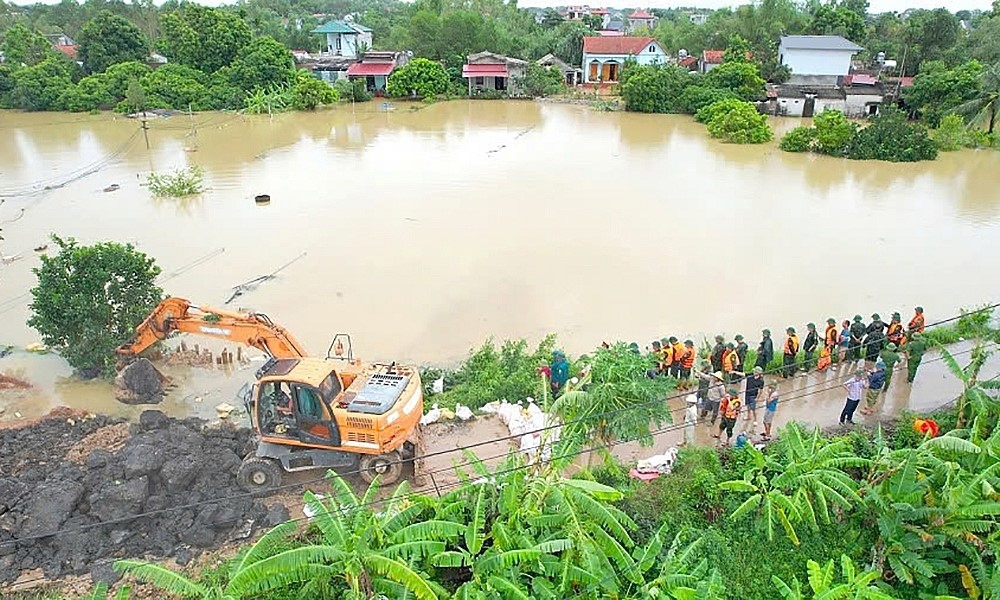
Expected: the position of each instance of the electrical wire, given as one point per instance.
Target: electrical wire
(668, 428)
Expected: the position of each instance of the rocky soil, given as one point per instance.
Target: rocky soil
(72, 485)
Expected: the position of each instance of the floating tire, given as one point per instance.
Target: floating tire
(259, 475)
(262, 198)
(388, 466)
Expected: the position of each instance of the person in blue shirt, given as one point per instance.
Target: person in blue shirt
(876, 380)
(560, 372)
(770, 407)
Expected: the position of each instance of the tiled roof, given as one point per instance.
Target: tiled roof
(341, 27)
(688, 61)
(374, 68)
(615, 45)
(69, 51)
(485, 70)
(641, 14)
(712, 57)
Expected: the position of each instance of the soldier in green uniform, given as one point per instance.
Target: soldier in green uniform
(890, 357)
(915, 349)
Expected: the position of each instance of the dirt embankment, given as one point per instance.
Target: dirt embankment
(87, 477)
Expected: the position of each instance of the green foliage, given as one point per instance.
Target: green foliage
(89, 300)
(135, 98)
(799, 139)
(975, 324)
(736, 122)
(261, 63)
(857, 584)
(39, 87)
(182, 182)
(542, 81)
(175, 86)
(203, 38)
(833, 133)
(696, 97)
(938, 89)
(490, 373)
(350, 90)
(265, 101)
(308, 92)
(654, 89)
(420, 78)
(118, 77)
(109, 39)
(829, 19)
(24, 47)
(890, 137)
(742, 78)
(615, 401)
(982, 108)
(90, 93)
(951, 134)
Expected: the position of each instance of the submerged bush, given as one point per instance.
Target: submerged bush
(799, 139)
(182, 182)
(736, 121)
(890, 137)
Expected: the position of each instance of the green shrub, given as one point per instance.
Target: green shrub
(39, 87)
(542, 81)
(420, 77)
(308, 92)
(799, 139)
(653, 89)
(117, 77)
(90, 93)
(696, 97)
(349, 90)
(951, 134)
(737, 122)
(890, 137)
(175, 86)
(182, 182)
(973, 324)
(833, 132)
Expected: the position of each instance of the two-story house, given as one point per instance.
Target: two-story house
(345, 38)
(604, 57)
(816, 59)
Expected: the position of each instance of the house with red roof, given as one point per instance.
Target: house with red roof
(604, 57)
(489, 72)
(374, 69)
(710, 59)
(641, 18)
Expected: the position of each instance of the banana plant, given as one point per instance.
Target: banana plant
(978, 398)
(268, 565)
(856, 585)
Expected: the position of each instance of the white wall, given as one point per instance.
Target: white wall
(656, 56)
(816, 62)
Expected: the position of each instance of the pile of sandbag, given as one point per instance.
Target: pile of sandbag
(537, 430)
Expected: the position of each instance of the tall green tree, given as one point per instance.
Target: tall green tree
(982, 109)
(938, 89)
(24, 46)
(262, 63)
(202, 37)
(108, 39)
(39, 87)
(89, 300)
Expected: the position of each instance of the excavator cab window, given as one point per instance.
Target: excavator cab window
(330, 387)
(315, 424)
(275, 414)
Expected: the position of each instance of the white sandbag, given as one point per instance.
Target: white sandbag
(659, 463)
(432, 416)
(463, 412)
(438, 386)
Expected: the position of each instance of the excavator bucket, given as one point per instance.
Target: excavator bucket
(140, 382)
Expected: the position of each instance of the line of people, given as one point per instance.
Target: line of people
(877, 343)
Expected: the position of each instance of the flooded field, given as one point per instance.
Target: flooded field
(427, 229)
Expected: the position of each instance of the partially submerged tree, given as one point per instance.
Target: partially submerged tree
(89, 300)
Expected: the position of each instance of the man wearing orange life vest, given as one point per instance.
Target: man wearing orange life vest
(916, 324)
(730, 362)
(687, 359)
(677, 354)
(895, 331)
(831, 336)
(791, 352)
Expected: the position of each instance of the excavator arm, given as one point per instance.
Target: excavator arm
(177, 314)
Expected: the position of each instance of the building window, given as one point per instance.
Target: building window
(479, 81)
(652, 48)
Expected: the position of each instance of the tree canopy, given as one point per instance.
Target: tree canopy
(108, 39)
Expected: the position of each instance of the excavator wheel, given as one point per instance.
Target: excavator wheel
(258, 475)
(389, 466)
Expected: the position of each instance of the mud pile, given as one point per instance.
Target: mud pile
(50, 480)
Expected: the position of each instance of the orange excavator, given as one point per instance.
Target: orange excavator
(307, 412)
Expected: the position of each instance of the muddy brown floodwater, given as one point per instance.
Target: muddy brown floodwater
(429, 228)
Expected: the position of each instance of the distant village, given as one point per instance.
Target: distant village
(824, 72)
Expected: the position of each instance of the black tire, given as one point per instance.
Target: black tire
(258, 475)
(389, 466)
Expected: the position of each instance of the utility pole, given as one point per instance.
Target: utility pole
(145, 129)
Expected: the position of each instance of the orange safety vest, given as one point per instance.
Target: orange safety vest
(667, 356)
(916, 323)
(731, 407)
(895, 333)
(831, 336)
(792, 345)
(687, 359)
(824, 359)
(678, 352)
(730, 361)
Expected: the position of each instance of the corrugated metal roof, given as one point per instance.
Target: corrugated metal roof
(335, 27)
(818, 42)
(376, 68)
(485, 70)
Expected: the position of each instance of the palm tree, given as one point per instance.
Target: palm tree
(856, 585)
(983, 109)
(270, 564)
(799, 479)
(975, 400)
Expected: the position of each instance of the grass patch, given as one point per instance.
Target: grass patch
(975, 324)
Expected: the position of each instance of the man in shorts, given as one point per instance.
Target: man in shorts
(770, 407)
(730, 411)
(755, 383)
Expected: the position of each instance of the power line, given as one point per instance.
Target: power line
(146, 514)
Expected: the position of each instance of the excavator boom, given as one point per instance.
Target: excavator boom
(178, 314)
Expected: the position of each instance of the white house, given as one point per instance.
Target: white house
(604, 57)
(816, 59)
(345, 38)
(641, 18)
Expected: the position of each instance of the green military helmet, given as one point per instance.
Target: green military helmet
(858, 318)
(831, 321)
